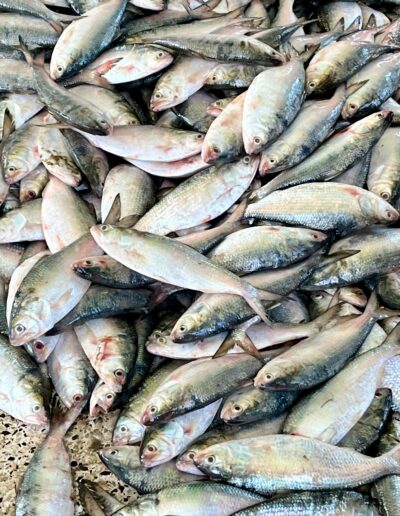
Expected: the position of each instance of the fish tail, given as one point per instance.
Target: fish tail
(392, 460)
(254, 299)
(38, 59)
(62, 419)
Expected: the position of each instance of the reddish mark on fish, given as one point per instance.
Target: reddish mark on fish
(273, 229)
(352, 191)
(102, 262)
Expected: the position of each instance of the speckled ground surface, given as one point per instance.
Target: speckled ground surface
(85, 438)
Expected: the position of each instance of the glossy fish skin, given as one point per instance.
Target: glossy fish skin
(189, 498)
(314, 417)
(73, 50)
(34, 8)
(70, 371)
(311, 126)
(104, 270)
(249, 404)
(193, 112)
(199, 383)
(10, 258)
(22, 224)
(128, 428)
(65, 215)
(124, 462)
(222, 433)
(96, 501)
(22, 389)
(225, 48)
(371, 425)
(201, 198)
(49, 292)
(387, 489)
(275, 462)
(100, 302)
(309, 503)
(16, 76)
(135, 189)
(33, 31)
(66, 107)
(378, 254)
(89, 159)
(265, 247)
(356, 175)
(338, 61)
(389, 35)
(334, 156)
(47, 482)
(318, 358)
(183, 266)
(185, 77)
(263, 123)
(224, 139)
(164, 442)
(383, 176)
(344, 208)
(373, 84)
(110, 345)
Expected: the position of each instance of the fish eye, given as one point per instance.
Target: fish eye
(318, 296)
(31, 194)
(87, 263)
(153, 409)
(104, 227)
(19, 329)
(12, 168)
(257, 140)
(246, 159)
(39, 345)
(119, 373)
(162, 340)
(157, 334)
(191, 455)
(312, 84)
(378, 394)
(103, 122)
(110, 396)
(157, 95)
(273, 53)
(160, 54)
(123, 428)
(211, 459)
(237, 408)
(113, 452)
(352, 106)
(182, 328)
(77, 398)
(216, 149)
(380, 115)
(200, 136)
(60, 68)
(36, 408)
(315, 236)
(385, 196)
(151, 448)
(269, 377)
(271, 160)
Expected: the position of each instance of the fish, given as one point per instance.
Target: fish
(101, 399)
(382, 177)
(96, 501)
(388, 290)
(32, 185)
(49, 471)
(124, 462)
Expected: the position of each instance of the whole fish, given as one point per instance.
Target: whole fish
(162, 443)
(343, 207)
(189, 498)
(47, 482)
(201, 198)
(343, 150)
(74, 50)
(286, 462)
(124, 462)
(311, 126)
(49, 291)
(70, 371)
(183, 266)
(264, 122)
(110, 345)
(331, 411)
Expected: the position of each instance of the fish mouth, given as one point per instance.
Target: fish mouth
(209, 153)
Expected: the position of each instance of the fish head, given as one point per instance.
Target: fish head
(162, 404)
(104, 234)
(275, 375)
(235, 406)
(157, 448)
(188, 326)
(215, 462)
(156, 58)
(316, 236)
(318, 77)
(113, 370)
(376, 209)
(32, 408)
(29, 322)
(185, 462)
(351, 106)
(211, 152)
(57, 68)
(353, 295)
(275, 158)
(372, 124)
(127, 431)
(15, 167)
(96, 120)
(101, 399)
(87, 266)
(163, 97)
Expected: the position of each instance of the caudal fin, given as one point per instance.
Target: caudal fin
(62, 418)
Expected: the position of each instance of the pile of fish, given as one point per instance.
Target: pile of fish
(199, 229)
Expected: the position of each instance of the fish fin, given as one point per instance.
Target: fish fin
(227, 344)
(392, 460)
(56, 26)
(371, 23)
(114, 214)
(62, 418)
(24, 49)
(334, 299)
(352, 88)
(354, 25)
(340, 255)
(160, 293)
(253, 297)
(238, 337)
(52, 126)
(322, 320)
(8, 125)
(92, 77)
(129, 221)
(339, 25)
